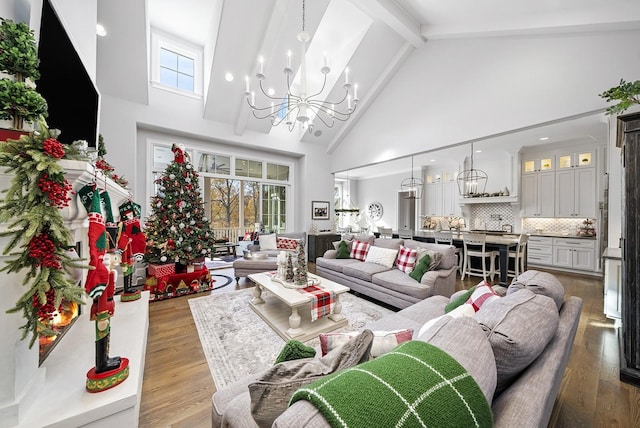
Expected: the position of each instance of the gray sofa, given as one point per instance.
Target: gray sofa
(525, 400)
(246, 266)
(390, 285)
(301, 236)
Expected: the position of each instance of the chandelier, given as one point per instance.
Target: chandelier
(471, 182)
(300, 108)
(412, 186)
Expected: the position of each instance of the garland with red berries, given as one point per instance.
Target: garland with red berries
(39, 240)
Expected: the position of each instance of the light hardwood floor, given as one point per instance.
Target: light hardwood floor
(177, 385)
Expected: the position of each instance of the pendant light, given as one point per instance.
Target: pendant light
(471, 182)
(412, 186)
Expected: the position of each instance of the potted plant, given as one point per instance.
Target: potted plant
(19, 101)
(627, 93)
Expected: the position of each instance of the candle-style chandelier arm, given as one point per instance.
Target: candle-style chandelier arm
(335, 114)
(302, 109)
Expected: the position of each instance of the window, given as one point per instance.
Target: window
(277, 172)
(248, 168)
(225, 198)
(176, 70)
(274, 208)
(217, 164)
(176, 65)
(227, 210)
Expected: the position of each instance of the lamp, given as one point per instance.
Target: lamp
(301, 108)
(471, 182)
(413, 185)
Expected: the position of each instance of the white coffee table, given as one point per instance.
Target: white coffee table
(288, 311)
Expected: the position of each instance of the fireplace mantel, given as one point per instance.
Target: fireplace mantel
(53, 395)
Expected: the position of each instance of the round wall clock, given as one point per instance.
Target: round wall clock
(375, 210)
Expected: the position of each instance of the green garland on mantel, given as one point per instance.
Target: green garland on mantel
(39, 240)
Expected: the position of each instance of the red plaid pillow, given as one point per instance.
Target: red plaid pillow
(286, 244)
(359, 250)
(406, 260)
(481, 295)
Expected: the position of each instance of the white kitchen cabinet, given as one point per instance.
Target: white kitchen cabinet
(433, 199)
(540, 250)
(441, 196)
(574, 253)
(538, 163)
(575, 159)
(576, 192)
(537, 194)
(450, 204)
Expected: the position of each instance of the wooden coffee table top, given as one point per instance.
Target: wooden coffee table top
(291, 296)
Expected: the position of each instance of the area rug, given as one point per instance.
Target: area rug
(220, 281)
(238, 343)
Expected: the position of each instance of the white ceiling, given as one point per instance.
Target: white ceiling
(371, 37)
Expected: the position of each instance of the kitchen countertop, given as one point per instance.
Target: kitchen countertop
(560, 235)
(429, 233)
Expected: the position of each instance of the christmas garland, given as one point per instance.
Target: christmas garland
(39, 239)
(106, 167)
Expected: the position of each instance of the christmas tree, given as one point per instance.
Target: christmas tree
(177, 229)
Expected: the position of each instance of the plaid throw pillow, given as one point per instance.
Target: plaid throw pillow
(286, 244)
(359, 250)
(482, 294)
(406, 260)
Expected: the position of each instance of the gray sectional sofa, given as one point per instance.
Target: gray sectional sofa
(391, 285)
(515, 348)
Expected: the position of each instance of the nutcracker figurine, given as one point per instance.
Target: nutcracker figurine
(100, 286)
(131, 245)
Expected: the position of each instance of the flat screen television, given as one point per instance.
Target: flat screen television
(73, 100)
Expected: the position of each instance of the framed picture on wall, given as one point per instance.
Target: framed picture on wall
(319, 210)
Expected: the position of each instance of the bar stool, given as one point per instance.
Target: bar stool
(447, 239)
(385, 232)
(405, 233)
(517, 254)
(474, 246)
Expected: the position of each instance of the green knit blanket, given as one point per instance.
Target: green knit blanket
(415, 385)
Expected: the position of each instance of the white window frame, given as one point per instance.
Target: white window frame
(160, 40)
(194, 152)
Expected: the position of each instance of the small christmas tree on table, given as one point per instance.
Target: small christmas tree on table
(177, 229)
(301, 269)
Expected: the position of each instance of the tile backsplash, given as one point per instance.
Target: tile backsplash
(561, 226)
(493, 216)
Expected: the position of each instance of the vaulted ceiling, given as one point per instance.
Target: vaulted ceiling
(372, 37)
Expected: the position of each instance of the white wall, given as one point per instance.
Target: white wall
(458, 90)
(384, 190)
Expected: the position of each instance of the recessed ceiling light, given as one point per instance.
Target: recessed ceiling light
(228, 77)
(478, 151)
(100, 30)
(271, 91)
(544, 138)
(433, 160)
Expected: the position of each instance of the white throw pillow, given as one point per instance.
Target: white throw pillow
(268, 242)
(464, 310)
(383, 341)
(381, 256)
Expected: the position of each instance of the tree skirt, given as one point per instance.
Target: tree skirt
(237, 343)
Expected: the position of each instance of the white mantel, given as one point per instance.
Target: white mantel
(54, 394)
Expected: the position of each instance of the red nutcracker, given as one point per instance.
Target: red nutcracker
(100, 286)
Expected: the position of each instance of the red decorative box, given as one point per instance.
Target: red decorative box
(161, 270)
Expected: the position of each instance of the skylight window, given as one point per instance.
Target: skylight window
(176, 70)
(176, 65)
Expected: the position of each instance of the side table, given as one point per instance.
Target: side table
(318, 244)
